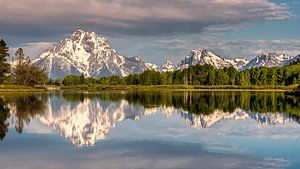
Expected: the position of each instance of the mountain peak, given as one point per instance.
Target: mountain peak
(292, 60)
(167, 66)
(267, 60)
(204, 56)
(80, 32)
(86, 53)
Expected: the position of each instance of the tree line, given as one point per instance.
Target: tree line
(205, 75)
(21, 70)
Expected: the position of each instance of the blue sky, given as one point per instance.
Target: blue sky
(157, 29)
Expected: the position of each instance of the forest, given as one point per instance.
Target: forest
(205, 75)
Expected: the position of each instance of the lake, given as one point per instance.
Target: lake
(151, 130)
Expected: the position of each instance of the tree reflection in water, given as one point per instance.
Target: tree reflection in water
(4, 115)
(23, 108)
(203, 102)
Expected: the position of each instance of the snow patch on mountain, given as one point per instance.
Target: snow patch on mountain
(152, 66)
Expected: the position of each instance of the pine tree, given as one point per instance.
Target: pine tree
(82, 79)
(272, 77)
(20, 56)
(211, 77)
(4, 66)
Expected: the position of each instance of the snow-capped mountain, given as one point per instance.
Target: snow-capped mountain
(168, 66)
(88, 121)
(199, 56)
(267, 60)
(86, 53)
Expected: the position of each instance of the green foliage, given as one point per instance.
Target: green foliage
(4, 66)
(26, 73)
(58, 82)
(71, 80)
(200, 75)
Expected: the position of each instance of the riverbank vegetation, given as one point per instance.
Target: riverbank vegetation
(21, 73)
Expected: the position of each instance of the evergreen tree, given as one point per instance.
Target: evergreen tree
(272, 77)
(211, 77)
(82, 79)
(185, 76)
(19, 55)
(4, 66)
(232, 73)
(263, 76)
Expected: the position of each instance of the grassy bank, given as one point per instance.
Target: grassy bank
(94, 88)
(21, 88)
(176, 87)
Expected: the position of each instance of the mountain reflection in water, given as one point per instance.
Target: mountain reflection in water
(86, 118)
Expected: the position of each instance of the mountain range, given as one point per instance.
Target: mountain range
(88, 54)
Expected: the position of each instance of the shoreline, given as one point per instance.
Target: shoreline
(99, 88)
(177, 88)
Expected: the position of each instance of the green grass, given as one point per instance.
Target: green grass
(20, 88)
(174, 87)
(23, 88)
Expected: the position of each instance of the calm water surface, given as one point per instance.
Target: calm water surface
(150, 130)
